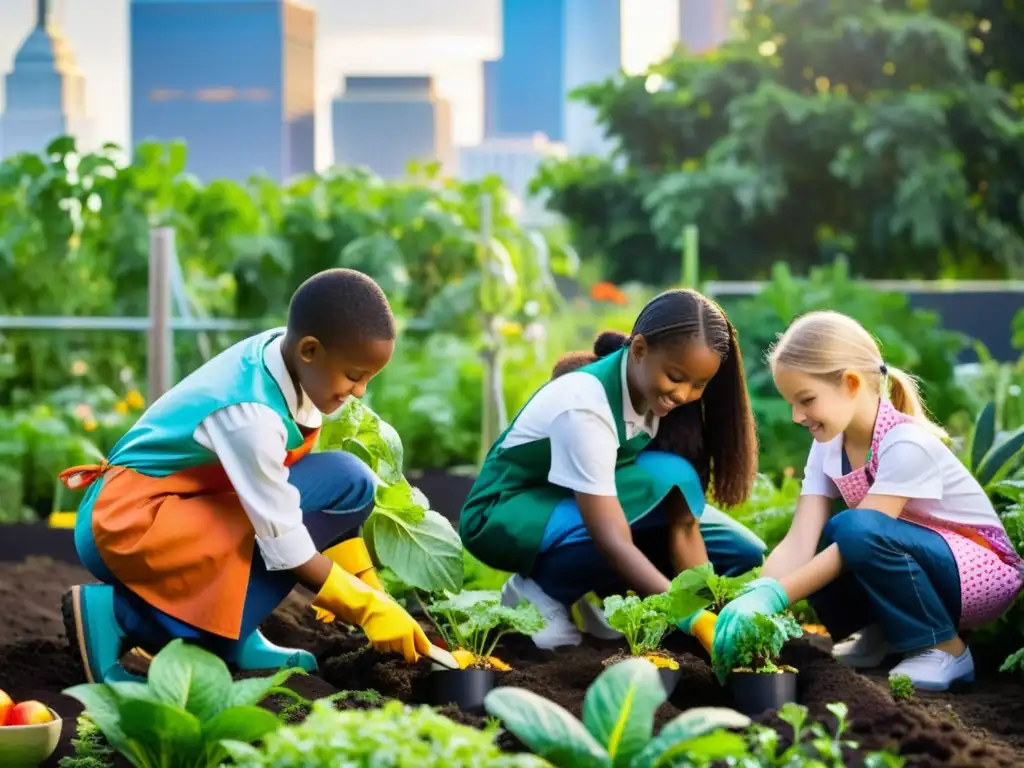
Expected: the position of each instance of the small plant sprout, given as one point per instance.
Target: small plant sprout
(644, 622)
(472, 622)
(1014, 662)
(759, 649)
(719, 591)
(901, 687)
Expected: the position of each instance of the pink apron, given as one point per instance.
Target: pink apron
(991, 572)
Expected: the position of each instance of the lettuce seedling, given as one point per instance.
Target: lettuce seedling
(394, 736)
(475, 620)
(758, 649)
(187, 707)
(618, 724)
(645, 622)
(719, 591)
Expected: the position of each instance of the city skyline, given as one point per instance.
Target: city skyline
(444, 38)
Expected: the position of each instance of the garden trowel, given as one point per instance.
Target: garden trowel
(442, 658)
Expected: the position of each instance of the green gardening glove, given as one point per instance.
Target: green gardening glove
(762, 596)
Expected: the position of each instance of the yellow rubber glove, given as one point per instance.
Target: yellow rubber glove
(703, 629)
(354, 557)
(386, 624)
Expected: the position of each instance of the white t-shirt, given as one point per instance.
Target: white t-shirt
(913, 463)
(250, 441)
(573, 412)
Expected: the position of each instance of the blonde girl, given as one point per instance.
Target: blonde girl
(918, 554)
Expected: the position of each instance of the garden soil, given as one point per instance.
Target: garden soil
(982, 726)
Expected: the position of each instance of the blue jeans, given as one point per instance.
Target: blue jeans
(896, 574)
(336, 496)
(567, 571)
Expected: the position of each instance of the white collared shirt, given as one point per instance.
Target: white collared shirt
(573, 412)
(250, 441)
(912, 463)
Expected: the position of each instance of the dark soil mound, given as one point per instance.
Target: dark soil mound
(979, 727)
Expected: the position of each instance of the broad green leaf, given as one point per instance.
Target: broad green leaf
(619, 708)
(191, 678)
(426, 555)
(101, 704)
(691, 725)
(984, 434)
(164, 730)
(1011, 489)
(546, 728)
(253, 690)
(244, 724)
(998, 460)
(398, 497)
(383, 458)
(133, 690)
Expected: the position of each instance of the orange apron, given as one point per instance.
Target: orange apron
(183, 543)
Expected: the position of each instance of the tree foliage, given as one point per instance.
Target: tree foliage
(880, 129)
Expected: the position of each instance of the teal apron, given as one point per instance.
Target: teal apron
(503, 521)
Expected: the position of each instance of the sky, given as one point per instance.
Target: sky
(446, 38)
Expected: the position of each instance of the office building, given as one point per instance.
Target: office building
(385, 122)
(45, 91)
(234, 78)
(549, 48)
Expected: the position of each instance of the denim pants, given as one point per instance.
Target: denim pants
(895, 574)
(336, 496)
(568, 572)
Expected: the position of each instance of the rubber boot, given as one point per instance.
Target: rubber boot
(256, 652)
(354, 557)
(94, 634)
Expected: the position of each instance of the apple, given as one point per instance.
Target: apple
(29, 713)
(6, 705)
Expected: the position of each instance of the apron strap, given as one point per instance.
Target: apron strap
(84, 475)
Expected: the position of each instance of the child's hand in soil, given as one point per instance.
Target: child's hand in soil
(762, 596)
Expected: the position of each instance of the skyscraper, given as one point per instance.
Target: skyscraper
(234, 78)
(549, 48)
(703, 24)
(45, 91)
(384, 122)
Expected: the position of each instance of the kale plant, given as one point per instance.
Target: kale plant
(644, 622)
(760, 646)
(901, 687)
(719, 591)
(476, 620)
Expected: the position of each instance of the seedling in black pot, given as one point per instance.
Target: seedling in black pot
(472, 623)
(645, 623)
(759, 683)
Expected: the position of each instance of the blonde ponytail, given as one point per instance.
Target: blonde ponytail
(828, 344)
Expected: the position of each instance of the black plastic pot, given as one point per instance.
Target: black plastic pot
(669, 679)
(754, 693)
(465, 688)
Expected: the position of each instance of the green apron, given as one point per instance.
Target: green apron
(503, 521)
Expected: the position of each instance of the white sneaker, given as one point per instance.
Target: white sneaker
(559, 630)
(865, 649)
(588, 616)
(936, 670)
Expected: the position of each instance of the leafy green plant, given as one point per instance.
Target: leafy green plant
(618, 724)
(992, 459)
(758, 649)
(180, 716)
(91, 749)
(394, 736)
(1014, 662)
(702, 582)
(402, 533)
(476, 620)
(901, 687)
(820, 750)
(644, 622)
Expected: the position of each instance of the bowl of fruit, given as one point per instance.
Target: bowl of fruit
(29, 732)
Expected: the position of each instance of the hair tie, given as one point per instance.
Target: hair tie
(884, 369)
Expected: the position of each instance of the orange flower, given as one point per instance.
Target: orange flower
(608, 292)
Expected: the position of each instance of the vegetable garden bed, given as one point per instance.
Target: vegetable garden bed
(983, 726)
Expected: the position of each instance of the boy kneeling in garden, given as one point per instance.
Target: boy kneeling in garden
(211, 509)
